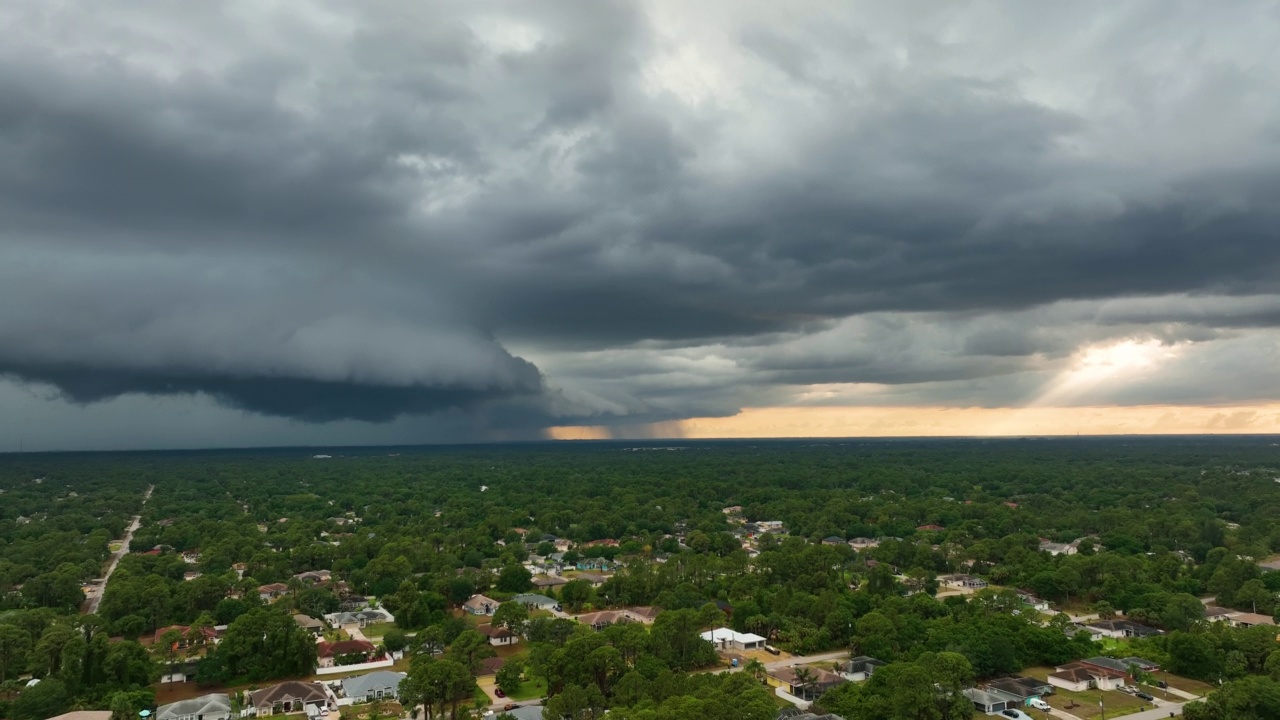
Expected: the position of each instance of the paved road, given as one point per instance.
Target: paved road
(95, 597)
(1164, 711)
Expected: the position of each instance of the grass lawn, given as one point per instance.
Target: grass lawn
(1194, 687)
(376, 630)
(1086, 703)
(482, 699)
(530, 690)
(1115, 646)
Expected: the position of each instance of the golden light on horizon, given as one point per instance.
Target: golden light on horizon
(831, 422)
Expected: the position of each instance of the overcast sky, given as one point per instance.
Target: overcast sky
(263, 223)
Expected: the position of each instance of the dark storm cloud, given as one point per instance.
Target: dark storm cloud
(671, 210)
(300, 398)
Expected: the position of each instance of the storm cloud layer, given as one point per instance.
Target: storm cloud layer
(515, 215)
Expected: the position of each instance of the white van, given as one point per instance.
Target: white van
(1038, 704)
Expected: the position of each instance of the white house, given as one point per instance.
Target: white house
(1035, 602)
(498, 635)
(480, 605)
(724, 639)
(378, 685)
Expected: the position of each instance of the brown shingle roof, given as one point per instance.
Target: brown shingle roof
(307, 692)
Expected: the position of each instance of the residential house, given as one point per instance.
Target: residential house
(310, 624)
(271, 591)
(1035, 602)
(340, 653)
(643, 613)
(726, 639)
(359, 618)
(862, 543)
(594, 579)
(963, 581)
(180, 671)
(1024, 688)
(1213, 613)
(84, 715)
(315, 577)
(876, 563)
(291, 697)
(214, 706)
(351, 602)
(1056, 548)
(1249, 619)
(535, 602)
(191, 575)
(732, 510)
(603, 619)
(833, 540)
(191, 557)
(377, 685)
(1102, 676)
(930, 528)
(498, 635)
(1142, 664)
(859, 668)
(545, 582)
(823, 681)
(991, 701)
(1072, 679)
(1121, 629)
(491, 666)
(480, 605)
(210, 635)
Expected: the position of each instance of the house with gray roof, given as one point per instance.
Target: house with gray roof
(859, 668)
(377, 685)
(991, 701)
(215, 706)
(362, 618)
(536, 602)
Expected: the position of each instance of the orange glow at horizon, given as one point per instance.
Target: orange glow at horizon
(829, 421)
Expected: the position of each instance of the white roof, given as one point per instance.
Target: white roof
(722, 634)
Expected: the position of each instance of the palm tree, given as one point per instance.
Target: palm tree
(756, 668)
(805, 681)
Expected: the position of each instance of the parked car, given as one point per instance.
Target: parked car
(1144, 696)
(1015, 714)
(510, 706)
(499, 693)
(1038, 704)
(771, 650)
(1161, 684)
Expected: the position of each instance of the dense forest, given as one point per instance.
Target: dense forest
(1158, 523)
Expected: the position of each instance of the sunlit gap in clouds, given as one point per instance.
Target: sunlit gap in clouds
(1092, 369)
(1096, 366)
